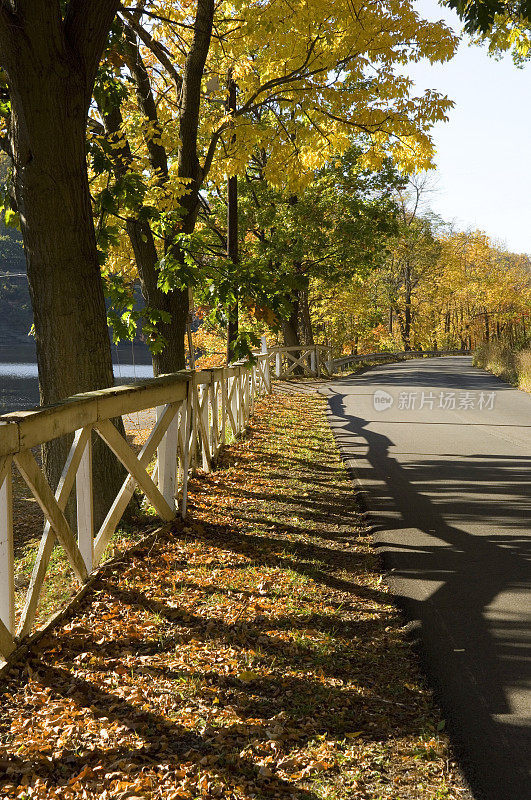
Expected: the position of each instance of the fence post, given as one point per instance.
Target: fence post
(329, 364)
(85, 507)
(167, 460)
(254, 377)
(186, 418)
(267, 366)
(313, 366)
(224, 411)
(235, 403)
(7, 567)
(278, 364)
(241, 401)
(205, 438)
(194, 426)
(213, 389)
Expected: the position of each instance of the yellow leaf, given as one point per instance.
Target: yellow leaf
(247, 676)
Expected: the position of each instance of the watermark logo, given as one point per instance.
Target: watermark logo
(382, 400)
(411, 400)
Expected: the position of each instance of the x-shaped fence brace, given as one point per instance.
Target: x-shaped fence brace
(311, 360)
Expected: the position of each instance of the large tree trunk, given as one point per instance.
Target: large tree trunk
(305, 320)
(232, 254)
(290, 325)
(232, 233)
(50, 83)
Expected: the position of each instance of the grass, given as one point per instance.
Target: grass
(513, 366)
(251, 652)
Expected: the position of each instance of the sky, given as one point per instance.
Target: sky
(483, 153)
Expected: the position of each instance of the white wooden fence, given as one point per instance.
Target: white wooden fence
(305, 360)
(196, 413)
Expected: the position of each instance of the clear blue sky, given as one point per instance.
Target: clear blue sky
(483, 175)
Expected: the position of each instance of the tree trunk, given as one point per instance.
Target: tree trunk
(232, 233)
(406, 335)
(232, 330)
(290, 328)
(50, 86)
(305, 320)
(487, 327)
(175, 303)
(188, 161)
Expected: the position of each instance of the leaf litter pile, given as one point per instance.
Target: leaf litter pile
(248, 652)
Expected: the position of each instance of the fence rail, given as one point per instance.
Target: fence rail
(340, 363)
(300, 360)
(196, 412)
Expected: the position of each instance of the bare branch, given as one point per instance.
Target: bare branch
(157, 48)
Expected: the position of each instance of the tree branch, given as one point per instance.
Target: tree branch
(188, 165)
(158, 49)
(157, 152)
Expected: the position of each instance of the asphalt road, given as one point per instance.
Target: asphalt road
(443, 463)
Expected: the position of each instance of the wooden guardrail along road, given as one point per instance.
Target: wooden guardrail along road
(316, 360)
(337, 364)
(196, 413)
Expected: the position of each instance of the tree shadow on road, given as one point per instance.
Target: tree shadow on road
(446, 578)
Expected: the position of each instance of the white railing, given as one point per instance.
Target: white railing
(340, 363)
(301, 360)
(196, 413)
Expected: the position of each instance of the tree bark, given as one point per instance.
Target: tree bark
(305, 320)
(406, 334)
(188, 161)
(171, 359)
(232, 235)
(50, 65)
(176, 302)
(290, 326)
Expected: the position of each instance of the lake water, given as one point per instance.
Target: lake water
(19, 386)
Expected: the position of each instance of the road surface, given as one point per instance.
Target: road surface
(442, 455)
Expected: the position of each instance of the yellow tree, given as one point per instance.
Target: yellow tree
(308, 77)
(482, 289)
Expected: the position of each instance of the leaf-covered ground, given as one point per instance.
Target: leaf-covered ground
(250, 652)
